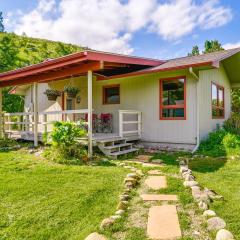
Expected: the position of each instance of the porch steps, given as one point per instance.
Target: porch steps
(115, 147)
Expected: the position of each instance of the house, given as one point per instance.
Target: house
(123, 98)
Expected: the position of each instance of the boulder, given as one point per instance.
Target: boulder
(224, 234)
(95, 236)
(106, 223)
(130, 179)
(132, 175)
(215, 223)
(190, 183)
(209, 213)
(129, 185)
(184, 169)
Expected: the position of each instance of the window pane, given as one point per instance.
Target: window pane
(220, 97)
(173, 92)
(214, 95)
(221, 112)
(215, 112)
(112, 95)
(69, 104)
(173, 113)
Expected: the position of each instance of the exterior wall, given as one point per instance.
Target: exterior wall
(142, 93)
(136, 93)
(206, 77)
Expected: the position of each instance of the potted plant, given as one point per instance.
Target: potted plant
(71, 91)
(52, 94)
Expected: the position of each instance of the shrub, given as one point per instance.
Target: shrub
(220, 142)
(64, 141)
(233, 124)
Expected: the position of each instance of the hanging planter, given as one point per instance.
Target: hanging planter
(52, 94)
(71, 91)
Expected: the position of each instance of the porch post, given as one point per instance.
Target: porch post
(90, 145)
(35, 113)
(1, 115)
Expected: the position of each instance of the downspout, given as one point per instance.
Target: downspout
(197, 109)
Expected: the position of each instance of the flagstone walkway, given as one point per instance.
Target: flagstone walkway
(163, 223)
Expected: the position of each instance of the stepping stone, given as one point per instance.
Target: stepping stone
(156, 182)
(143, 158)
(154, 172)
(163, 223)
(158, 197)
(151, 165)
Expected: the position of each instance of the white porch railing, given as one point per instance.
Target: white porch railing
(25, 120)
(130, 123)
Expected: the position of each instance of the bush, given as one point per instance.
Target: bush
(7, 142)
(219, 143)
(233, 124)
(65, 145)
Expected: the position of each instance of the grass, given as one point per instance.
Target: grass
(43, 200)
(223, 176)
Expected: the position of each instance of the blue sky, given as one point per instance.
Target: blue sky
(161, 29)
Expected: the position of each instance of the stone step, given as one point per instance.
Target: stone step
(163, 223)
(156, 182)
(158, 197)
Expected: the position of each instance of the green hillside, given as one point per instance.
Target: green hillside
(19, 51)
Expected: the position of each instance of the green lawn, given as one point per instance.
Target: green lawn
(223, 176)
(43, 200)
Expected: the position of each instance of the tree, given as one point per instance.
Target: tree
(195, 51)
(212, 46)
(236, 100)
(1, 23)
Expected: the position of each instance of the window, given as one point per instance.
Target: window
(217, 101)
(69, 104)
(111, 94)
(173, 98)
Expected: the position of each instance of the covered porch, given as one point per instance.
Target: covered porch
(34, 122)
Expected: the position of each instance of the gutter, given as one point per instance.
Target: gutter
(197, 108)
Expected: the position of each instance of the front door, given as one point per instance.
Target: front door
(69, 104)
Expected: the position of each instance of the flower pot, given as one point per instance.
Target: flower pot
(71, 95)
(52, 97)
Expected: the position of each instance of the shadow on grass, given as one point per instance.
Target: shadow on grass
(204, 165)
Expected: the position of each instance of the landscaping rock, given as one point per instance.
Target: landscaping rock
(224, 234)
(120, 212)
(122, 205)
(209, 213)
(132, 175)
(190, 183)
(182, 163)
(215, 223)
(127, 167)
(122, 164)
(124, 197)
(130, 179)
(189, 177)
(202, 205)
(129, 185)
(115, 217)
(106, 223)
(184, 169)
(95, 236)
(217, 198)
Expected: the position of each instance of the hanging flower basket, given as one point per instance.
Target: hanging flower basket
(71, 91)
(52, 94)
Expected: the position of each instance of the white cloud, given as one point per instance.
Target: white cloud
(178, 18)
(110, 24)
(231, 45)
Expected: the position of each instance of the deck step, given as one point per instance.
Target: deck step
(124, 152)
(118, 146)
(107, 140)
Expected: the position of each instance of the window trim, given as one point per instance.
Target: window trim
(217, 107)
(161, 106)
(104, 94)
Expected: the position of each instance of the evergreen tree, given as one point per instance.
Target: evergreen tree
(1, 23)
